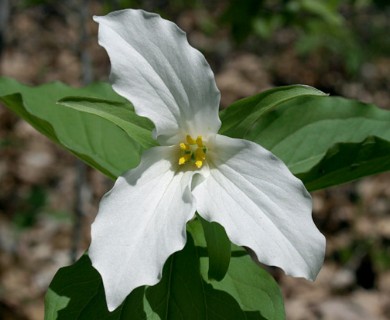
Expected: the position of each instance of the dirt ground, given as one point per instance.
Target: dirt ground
(37, 178)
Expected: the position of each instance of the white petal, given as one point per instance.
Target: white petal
(262, 206)
(140, 222)
(154, 67)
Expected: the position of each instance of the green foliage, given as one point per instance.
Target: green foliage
(244, 17)
(380, 255)
(330, 28)
(29, 208)
(325, 141)
(251, 286)
(120, 114)
(334, 40)
(99, 142)
(243, 115)
(218, 248)
(76, 292)
(349, 161)
(381, 4)
(240, 16)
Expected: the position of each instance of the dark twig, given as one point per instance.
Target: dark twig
(86, 64)
(4, 16)
(80, 182)
(78, 209)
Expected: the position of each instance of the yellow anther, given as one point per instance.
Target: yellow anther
(182, 160)
(184, 146)
(199, 163)
(193, 151)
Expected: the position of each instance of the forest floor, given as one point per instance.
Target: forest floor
(37, 178)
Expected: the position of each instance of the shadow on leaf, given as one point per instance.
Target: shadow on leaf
(77, 292)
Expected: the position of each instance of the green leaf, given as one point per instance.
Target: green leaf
(218, 248)
(100, 143)
(119, 113)
(309, 133)
(183, 294)
(76, 292)
(348, 161)
(253, 288)
(302, 131)
(239, 118)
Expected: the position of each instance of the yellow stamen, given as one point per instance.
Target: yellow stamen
(184, 146)
(190, 140)
(199, 154)
(192, 151)
(199, 164)
(199, 141)
(182, 160)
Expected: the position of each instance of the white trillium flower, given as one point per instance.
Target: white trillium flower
(234, 182)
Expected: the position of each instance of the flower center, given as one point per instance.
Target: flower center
(193, 151)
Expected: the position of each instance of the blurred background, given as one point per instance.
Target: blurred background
(48, 199)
